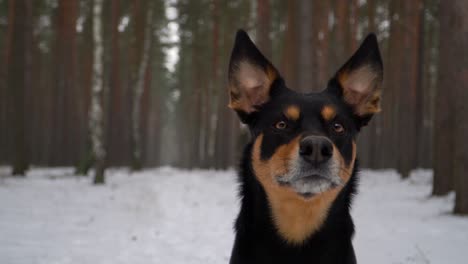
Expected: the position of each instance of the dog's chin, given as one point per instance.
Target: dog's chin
(311, 185)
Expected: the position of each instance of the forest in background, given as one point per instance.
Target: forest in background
(163, 76)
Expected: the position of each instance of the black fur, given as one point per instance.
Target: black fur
(257, 239)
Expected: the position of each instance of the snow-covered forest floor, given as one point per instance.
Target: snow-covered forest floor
(176, 216)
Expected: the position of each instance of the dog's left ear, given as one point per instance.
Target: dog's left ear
(359, 80)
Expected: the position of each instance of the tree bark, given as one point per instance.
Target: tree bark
(96, 115)
(138, 92)
(4, 85)
(263, 27)
(409, 84)
(290, 53)
(306, 46)
(321, 37)
(341, 32)
(115, 120)
(19, 80)
(390, 105)
(86, 82)
(444, 119)
(353, 25)
(65, 111)
(460, 19)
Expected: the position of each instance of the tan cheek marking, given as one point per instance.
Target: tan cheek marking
(328, 113)
(271, 73)
(277, 165)
(346, 169)
(293, 112)
(295, 218)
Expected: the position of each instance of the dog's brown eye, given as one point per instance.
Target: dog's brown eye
(338, 128)
(281, 125)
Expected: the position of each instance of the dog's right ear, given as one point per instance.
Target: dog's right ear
(250, 77)
(360, 80)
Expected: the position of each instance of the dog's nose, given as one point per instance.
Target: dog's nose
(315, 149)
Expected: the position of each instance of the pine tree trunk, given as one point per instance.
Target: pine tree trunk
(341, 32)
(19, 80)
(461, 119)
(444, 121)
(421, 92)
(263, 27)
(4, 85)
(460, 31)
(409, 99)
(115, 120)
(390, 105)
(87, 159)
(65, 83)
(321, 38)
(289, 61)
(138, 92)
(306, 46)
(353, 25)
(96, 115)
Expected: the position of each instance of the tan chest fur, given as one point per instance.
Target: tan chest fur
(295, 217)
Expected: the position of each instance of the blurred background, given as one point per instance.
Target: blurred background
(140, 83)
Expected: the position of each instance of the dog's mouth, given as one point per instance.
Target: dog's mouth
(310, 185)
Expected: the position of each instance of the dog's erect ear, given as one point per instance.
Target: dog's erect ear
(360, 79)
(250, 76)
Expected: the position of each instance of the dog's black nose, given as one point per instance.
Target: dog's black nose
(316, 149)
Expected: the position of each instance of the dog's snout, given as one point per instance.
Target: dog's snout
(315, 149)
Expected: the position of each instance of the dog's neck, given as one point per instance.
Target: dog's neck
(257, 236)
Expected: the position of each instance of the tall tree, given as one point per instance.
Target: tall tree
(321, 39)
(86, 55)
(159, 115)
(289, 63)
(409, 84)
(96, 113)
(264, 26)
(65, 82)
(444, 122)
(399, 107)
(115, 121)
(298, 56)
(139, 89)
(353, 25)
(305, 46)
(19, 79)
(5, 44)
(428, 66)
(341, 32)
(459, 28)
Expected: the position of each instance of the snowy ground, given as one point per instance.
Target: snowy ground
(174, 216)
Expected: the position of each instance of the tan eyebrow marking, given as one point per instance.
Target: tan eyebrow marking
(293, 112)
(328, 112)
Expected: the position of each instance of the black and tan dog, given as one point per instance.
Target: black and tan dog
(299, 172)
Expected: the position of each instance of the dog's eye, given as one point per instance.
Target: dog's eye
(281, 125)
(338, 128)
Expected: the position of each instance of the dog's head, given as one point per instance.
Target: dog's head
(304, 146)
